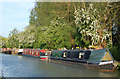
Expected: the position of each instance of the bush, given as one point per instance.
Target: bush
(115, 51)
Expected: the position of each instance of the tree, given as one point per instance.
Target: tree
(3, 42)
(56, 36)
(27, 38)
(32, 17)
(12, 40)
(89, 26)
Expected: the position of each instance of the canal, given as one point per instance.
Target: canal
(22, 66)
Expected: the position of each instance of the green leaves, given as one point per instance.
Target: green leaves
(12, 40)
(56, 36)
(58, 25)
(3, 42)
(89, 26)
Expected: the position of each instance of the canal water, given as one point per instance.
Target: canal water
(22, 66)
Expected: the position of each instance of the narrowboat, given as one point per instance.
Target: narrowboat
(31, 52)
(17, 51)
(6, 51)
(96, 57)
(71, 55)
(42, 54)
(20, 51)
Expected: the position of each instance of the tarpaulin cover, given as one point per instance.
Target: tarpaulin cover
(98, 55)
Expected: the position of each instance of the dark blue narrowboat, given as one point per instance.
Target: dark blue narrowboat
(71, 55)
(97, 57)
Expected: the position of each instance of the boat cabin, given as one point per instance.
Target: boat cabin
(72, 55)
(31, 52)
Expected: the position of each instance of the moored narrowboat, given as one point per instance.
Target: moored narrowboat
(20, 51)
(71, 55)
(6, 50)
(42, 54)
(31, 52)
(96, 57)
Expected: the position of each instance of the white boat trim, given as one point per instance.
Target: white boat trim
(43, 56)
(106, 62)
(20, 50)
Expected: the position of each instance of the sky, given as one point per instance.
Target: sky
(14, 14)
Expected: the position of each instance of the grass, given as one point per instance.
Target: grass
(118, 65)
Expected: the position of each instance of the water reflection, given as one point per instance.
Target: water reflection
(21, 66)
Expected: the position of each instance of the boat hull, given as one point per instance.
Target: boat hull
(44, 57)
(30, 55)
(7, 52)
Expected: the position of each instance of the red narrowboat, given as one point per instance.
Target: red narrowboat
(31, 52)
(35, 53)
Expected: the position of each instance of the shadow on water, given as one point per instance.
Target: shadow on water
(21, 66)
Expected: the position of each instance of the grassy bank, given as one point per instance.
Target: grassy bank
(118, 65)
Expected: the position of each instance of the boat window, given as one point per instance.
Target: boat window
(45, 54)
(81, 55)
(37, 53)
(65, 54)
(30, 52)
(42, 54)
(25, 51)
(92, 48)
(33, 52)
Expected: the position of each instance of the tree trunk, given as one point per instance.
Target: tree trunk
(100, 32)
